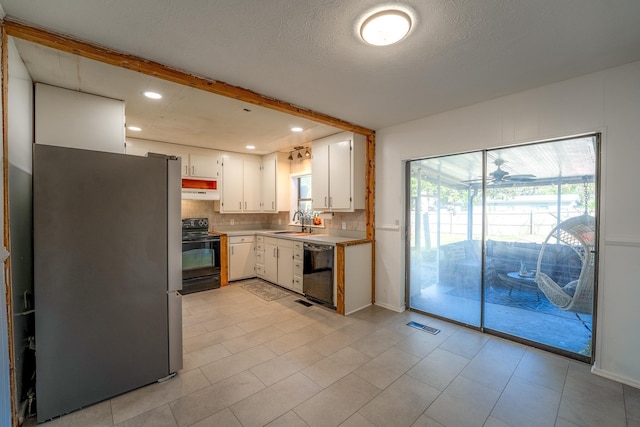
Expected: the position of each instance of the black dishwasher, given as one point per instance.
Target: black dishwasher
(317, 281)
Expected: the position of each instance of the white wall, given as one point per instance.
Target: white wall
(608, 102)
(20, 133)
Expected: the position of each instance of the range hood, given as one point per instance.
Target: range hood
(198, 189)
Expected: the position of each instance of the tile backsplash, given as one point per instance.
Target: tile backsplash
(354, 221)
(218, 221)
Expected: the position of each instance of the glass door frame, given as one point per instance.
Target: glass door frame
(407, 246)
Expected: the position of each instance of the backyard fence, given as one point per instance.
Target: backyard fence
(533, 226)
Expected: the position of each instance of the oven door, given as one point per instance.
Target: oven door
(200, 265)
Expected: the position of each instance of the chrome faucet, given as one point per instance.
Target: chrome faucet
(300, 216)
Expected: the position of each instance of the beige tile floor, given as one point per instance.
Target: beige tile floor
(248, 362)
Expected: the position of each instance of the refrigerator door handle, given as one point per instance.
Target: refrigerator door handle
(174, 311)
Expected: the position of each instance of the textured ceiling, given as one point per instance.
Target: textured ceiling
(308, 52)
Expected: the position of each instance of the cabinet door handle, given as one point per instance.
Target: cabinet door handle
(325, 202)
(193, 170)
(240, 205)
(245, 206)
(275, 255)
(186, 170)
(273, 205)
(232, 250)
(330, 204)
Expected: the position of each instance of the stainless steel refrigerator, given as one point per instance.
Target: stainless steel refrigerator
(107, 268)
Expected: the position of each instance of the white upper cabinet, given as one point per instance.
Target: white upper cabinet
(197, 163)
(338, 172)
(68, 118)
(251, 187)
(139, 147)
(179, 151)
(275, 182)
(203, 166)
(240, 183)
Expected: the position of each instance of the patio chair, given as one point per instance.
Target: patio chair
(576, 296)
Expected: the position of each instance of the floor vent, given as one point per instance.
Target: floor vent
(423, 327)
(306, 304)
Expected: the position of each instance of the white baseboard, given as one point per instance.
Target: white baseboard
(357, 309)
(390, 307)
(624, 380)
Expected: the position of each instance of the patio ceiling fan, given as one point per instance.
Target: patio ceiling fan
(500, 175)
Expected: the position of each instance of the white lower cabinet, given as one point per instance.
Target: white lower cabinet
(242, 257)
(285, 263)
(271, 259)
(280, 262)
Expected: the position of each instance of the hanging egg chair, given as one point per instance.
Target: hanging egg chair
(576, 296)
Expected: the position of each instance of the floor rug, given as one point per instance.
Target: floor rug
(264, 290)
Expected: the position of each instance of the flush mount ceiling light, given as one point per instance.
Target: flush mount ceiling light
(134, 128)
(296, 129)
(152, 95)
(385, 27)
(250, 147)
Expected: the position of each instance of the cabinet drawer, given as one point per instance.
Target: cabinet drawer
(297, 284)
(298, 254)
(297, 268)
(259, 257)
(298, 246)
(259, 270)
(241, 239)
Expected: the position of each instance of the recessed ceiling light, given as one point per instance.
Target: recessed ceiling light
(296, 129)
(134, 128)
(250, 147)
(385, 27)
(152, 95)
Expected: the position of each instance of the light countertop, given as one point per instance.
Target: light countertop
(307, 237)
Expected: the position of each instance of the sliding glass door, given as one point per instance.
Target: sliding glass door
(504, 240)
(445, 235)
